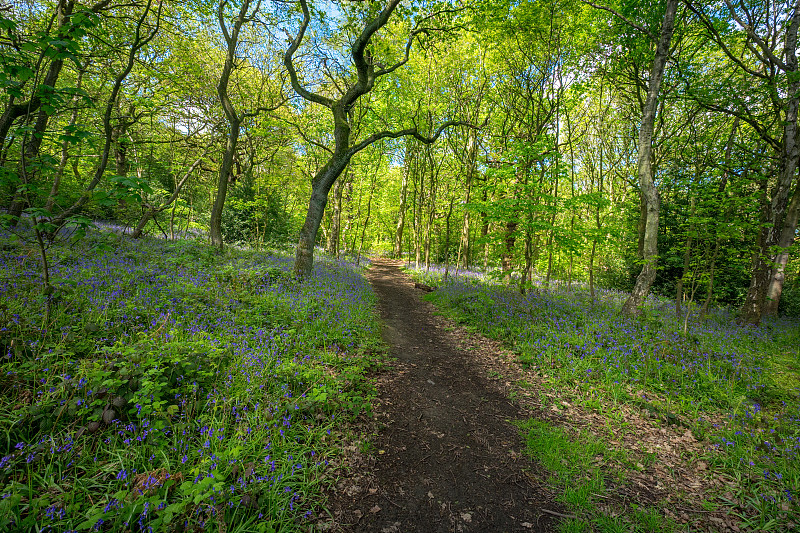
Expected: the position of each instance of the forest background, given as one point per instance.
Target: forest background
(183, 117)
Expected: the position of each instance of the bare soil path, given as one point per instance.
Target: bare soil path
(446, 456)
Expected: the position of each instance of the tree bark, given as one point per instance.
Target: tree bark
(401, 214)
(33, 141)
(687, 256)
(336, 218)
(647, 186)
(234, 120)
(775, 288)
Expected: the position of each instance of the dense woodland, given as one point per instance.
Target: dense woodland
(225, 119)
(189, 192)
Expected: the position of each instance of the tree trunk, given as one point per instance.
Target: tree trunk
(485, 234)
(782, 222)
(336, 218)
(447, 239)
(33, 140)
(429, 222)
(508, 254)
(234, 120)
(645, 171)
(62, 164)
(591, 271)
(401, 214)
(223, 178)
(151, 211)
(304, 255)
(786, 240)
(687, 256)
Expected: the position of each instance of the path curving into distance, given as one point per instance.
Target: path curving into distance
(446, 457)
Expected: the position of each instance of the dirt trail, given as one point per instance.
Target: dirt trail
(445, 457)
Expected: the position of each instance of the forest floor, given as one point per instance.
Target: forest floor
(448, 453)
(446, 456)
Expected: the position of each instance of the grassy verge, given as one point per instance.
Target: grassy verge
(171, 388)
(735, 387)
(575, 465)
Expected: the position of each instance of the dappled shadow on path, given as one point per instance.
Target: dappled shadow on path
(446, 456)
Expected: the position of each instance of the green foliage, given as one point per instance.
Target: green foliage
(175, 387)
(683, 370)
(574, 463)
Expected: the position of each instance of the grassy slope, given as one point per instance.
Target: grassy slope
(695, 372)
(172, 388)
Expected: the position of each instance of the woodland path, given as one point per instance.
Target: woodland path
(445, 457)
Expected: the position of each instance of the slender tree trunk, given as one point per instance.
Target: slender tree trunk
(687, 256)
(336, 217)
(33, 140)
(151, 210)
(721, 189)
(234, 120)
(62, 164)
(591, 271)
(369, 211)
(401, 213)
(711, 273)
(447, 239)
(552, 234)
(485, 234)
(418, 202)
(429, 222)
(508, 254)
(472, 154)
(645, 171)
(526, 273)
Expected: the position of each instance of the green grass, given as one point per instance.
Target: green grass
(579, 468)
(174, 388)
(737, 388)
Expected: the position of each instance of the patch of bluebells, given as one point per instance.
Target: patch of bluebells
(711, 365)
(246, 436)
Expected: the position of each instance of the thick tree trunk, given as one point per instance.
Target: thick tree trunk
(223, 178)
(320, 187)
(647, 186)
(780, 261)
(782, 222)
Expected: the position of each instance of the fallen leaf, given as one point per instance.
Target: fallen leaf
(466, 517)
(527, 525)
(375, 509)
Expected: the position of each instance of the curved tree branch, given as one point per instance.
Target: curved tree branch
(288, 61)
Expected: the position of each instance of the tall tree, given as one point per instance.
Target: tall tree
(648, 191)
(368, 71)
